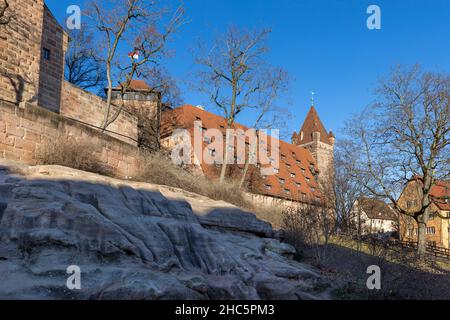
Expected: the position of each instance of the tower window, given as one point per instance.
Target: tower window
(46, 53)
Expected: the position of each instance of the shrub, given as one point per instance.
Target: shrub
(158, 168)
(74, 154)
(309, 229)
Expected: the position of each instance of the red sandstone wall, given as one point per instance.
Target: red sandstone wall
(22, 131)
(20, 46)
(55, 40)
(88, 108)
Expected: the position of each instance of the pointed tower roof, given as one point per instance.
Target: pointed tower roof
(313, 124)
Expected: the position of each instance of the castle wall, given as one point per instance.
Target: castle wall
(324, 155)
(90, 109)
(148, 114)
(20, 52)
(24, 130)
(51, 74)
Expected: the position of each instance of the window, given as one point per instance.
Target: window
(308, 179)
(431, 230)
(292, 175)
(46, 53)
(268, 187)
(297, 161)
(207, 139)
(313, 189)
(287, 191)
(198, 118)
(288, 165)
(281, 180)
(212, 152)
(276, 170)
(411, 232)
(298, 184)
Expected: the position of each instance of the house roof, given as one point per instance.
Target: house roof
(440, 194)
(312, 124)
(377, 209)
(136, 85)
(295, 179)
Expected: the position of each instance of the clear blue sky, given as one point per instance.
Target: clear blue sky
(324, 44)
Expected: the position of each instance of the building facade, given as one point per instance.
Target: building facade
(296, 180)
(32, 60)
(373, 216)
(437, 228)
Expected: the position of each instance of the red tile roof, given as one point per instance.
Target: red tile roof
(137, 85)
(295, 179)
(440, 194)
(312, 124)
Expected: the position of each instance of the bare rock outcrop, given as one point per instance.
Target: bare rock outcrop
(135, 241)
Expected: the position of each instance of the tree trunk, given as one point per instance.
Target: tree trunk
(247, 161)
(225, 159)
(422, 240)
(108, 97)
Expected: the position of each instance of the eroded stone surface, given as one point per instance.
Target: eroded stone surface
(135, 241)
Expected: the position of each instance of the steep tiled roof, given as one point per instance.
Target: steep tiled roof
(377, 209)
(440, 194)
(295, 179)
(312, 124)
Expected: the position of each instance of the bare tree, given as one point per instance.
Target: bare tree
(346, 189)
(405, 135)
(268, 114)
(5, 16)
(235, 77)
(309, 227)
(82, 66)
(139, 23)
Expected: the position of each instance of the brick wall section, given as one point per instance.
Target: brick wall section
(90, 109)
(24, 130)
(20, 45)
(54, 41)
(148, 114)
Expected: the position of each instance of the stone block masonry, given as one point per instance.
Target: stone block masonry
(24, 130)
(54, 44)
(90, 109)
(20, 46)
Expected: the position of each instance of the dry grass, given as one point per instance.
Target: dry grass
(73, 154)
(159, 169)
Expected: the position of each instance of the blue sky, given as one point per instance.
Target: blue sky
(324, 45)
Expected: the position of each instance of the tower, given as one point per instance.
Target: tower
(314, 137)
(143, 102)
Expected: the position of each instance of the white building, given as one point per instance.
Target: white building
(374, 216)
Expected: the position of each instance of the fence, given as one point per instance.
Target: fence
(432, 250)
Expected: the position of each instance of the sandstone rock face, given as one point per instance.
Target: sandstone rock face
(135, 241)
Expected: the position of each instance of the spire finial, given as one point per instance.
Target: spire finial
(312, 98)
